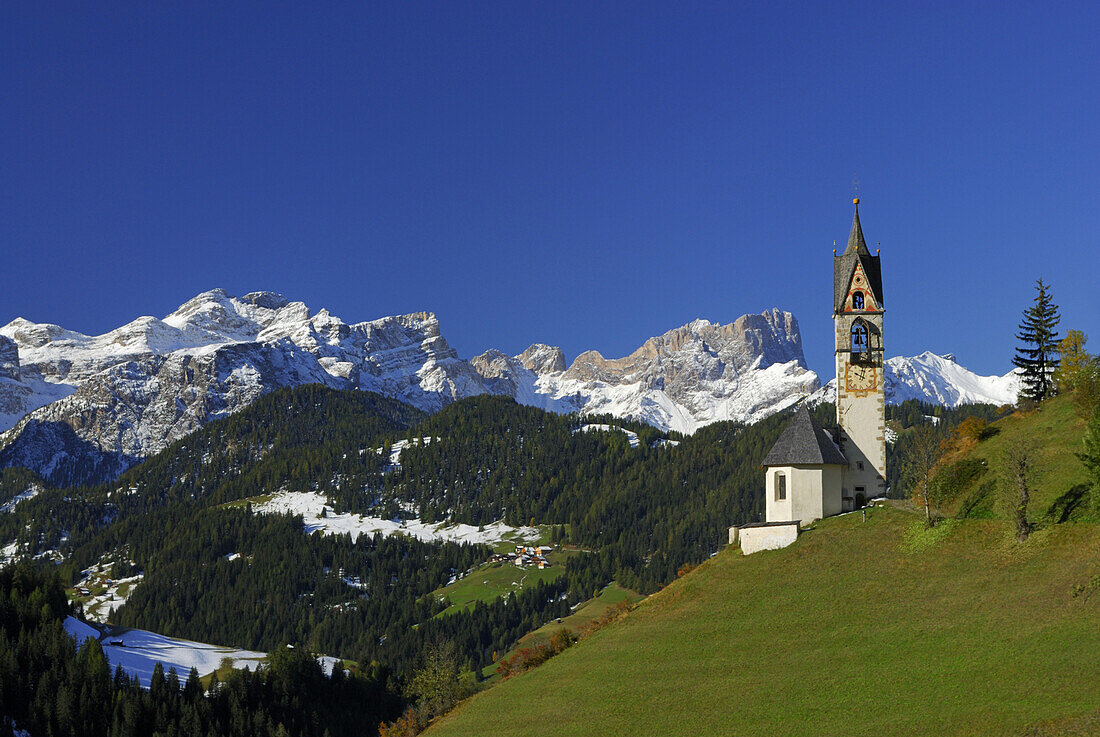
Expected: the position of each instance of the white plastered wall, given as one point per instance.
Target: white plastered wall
(813, 492)
(755, 539)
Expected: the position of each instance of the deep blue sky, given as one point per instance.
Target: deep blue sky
(582, 174)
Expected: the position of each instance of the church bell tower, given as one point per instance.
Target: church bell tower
(860, 395)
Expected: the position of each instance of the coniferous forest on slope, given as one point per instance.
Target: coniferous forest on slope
(640, 513)
(52, 685)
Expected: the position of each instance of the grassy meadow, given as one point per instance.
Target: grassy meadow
(872, 627)
(576, 623)
(490, 581)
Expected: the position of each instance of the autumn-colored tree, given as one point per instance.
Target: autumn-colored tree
(1073, 360)
(526, 658)
(1086, 390)
(1078, 373)
(408, 724)
(970, 431)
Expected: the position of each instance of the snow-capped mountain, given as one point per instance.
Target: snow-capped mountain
(937, 380)
(688, 377)
(130, 392)
(79, 408)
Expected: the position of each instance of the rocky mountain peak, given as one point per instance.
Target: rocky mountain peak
(691, 375)
(37, 334)
(543, 359)
(264, 300)
(98, 404)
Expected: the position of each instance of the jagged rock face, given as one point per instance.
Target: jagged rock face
(9, 359)
(83, 408)
(497, 371)
(696, 374)
(22, 390)
(543, 359)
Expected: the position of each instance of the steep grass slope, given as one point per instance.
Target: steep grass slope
(970, 478)
(860, 628)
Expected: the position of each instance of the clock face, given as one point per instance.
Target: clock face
(860, 379)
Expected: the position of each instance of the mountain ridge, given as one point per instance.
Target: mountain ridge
(70, 401)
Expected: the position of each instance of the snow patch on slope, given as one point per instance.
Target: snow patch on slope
(139, 651)
(311, 506)
(10, 505)
(631, 436)
(400, 445)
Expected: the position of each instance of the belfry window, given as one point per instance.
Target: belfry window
(857, 301)
(780, 486)
(859, 338)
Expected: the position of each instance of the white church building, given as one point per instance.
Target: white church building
(812, 472)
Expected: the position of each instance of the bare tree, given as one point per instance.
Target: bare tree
(1018, 460)
(923, 454)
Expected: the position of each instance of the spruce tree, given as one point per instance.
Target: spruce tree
(1036, 357)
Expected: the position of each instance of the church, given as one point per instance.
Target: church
(812, 472)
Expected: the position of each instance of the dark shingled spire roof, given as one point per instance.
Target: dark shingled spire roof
(845, 266)
(856, 244)
(804, 442)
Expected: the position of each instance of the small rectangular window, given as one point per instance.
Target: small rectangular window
(859, 465)
(780, 487)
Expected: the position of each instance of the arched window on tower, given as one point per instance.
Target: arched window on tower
(860, 343)
(857, 301)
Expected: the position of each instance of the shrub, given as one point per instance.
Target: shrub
(408, 724)
(951, 479)
(526, 658)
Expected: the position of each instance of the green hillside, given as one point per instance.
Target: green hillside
(861, 628)
(969, 476)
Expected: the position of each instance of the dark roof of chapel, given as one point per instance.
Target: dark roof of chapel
(804, 442)
(845, 265)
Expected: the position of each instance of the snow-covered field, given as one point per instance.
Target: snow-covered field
(631, 436)
(311, 506)
(138, 652)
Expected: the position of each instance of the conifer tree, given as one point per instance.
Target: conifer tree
(1038, 334)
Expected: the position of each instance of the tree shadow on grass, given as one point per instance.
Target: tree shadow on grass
(1071, 505)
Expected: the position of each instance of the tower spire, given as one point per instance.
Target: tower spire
(856, 244)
